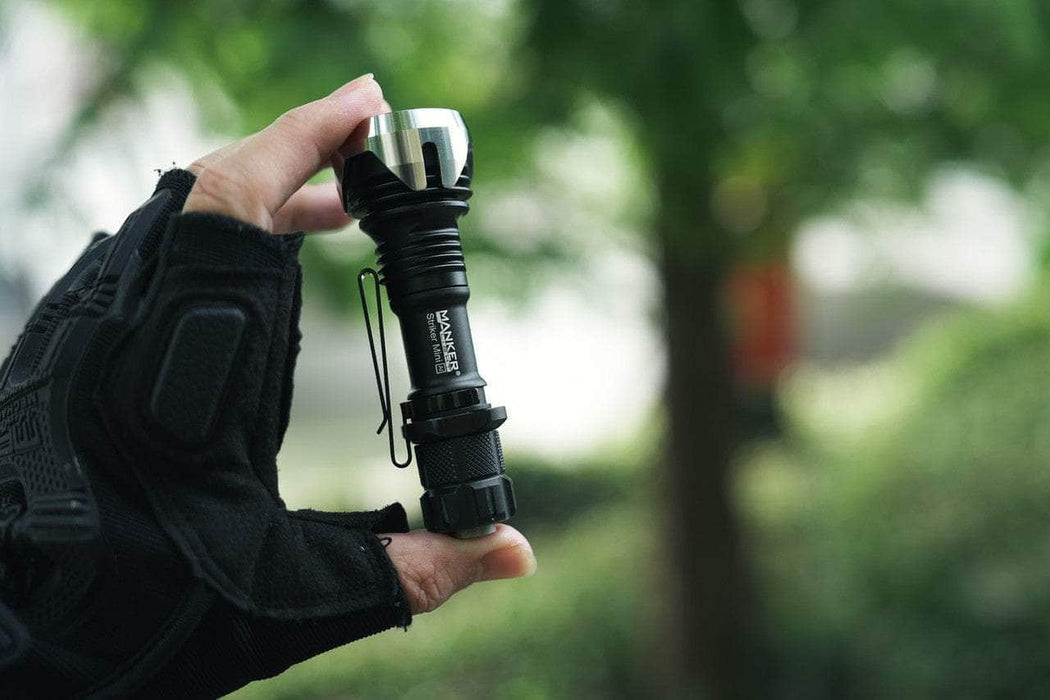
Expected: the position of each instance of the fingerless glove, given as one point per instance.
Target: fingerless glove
(144, 547)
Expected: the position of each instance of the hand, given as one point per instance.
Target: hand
(144, 546)
(433, 567)
(262, 180)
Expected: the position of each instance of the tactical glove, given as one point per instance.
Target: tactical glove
(144, 548)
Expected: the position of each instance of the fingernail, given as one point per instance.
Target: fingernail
(358, 83)
(508, 562)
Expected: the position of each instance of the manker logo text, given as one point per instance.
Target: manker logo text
(443, 344)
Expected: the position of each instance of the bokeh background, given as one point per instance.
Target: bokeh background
(761, 282)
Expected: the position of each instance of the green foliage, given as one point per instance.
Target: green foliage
(556, 496)
(912, 558)
(269, 56)
(772, 110)
(750, 115)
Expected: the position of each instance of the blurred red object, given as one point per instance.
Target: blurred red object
(763, 304)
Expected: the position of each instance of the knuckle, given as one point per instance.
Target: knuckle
(429, 591)
(217, 185)
(227, 190)
(205, 162)
(430, 594)
(296, 119)
(300, 128)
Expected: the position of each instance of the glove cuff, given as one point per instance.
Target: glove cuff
(179, 182)
(176, 183)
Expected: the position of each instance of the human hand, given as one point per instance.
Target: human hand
(432, 567)
(262, 180)
(144, 546)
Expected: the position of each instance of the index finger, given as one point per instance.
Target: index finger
(266, 169)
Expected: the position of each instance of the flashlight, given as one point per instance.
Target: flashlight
(408, 186)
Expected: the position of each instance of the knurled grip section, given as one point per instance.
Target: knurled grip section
(460, 459)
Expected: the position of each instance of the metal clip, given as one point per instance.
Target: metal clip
(382, 382)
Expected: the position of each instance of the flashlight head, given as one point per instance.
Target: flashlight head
(406, 140)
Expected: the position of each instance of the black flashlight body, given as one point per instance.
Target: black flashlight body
(446, 416)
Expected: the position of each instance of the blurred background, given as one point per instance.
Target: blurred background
(762, 284)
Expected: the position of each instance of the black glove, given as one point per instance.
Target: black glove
(144, 549)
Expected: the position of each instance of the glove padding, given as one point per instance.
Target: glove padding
(144, 548)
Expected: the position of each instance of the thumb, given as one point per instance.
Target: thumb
(433, 567)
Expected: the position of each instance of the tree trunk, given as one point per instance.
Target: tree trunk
(705, 617)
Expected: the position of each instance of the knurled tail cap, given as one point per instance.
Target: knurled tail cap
(466, 506)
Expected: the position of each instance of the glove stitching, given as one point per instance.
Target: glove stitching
(217, 578)
(259, 435)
